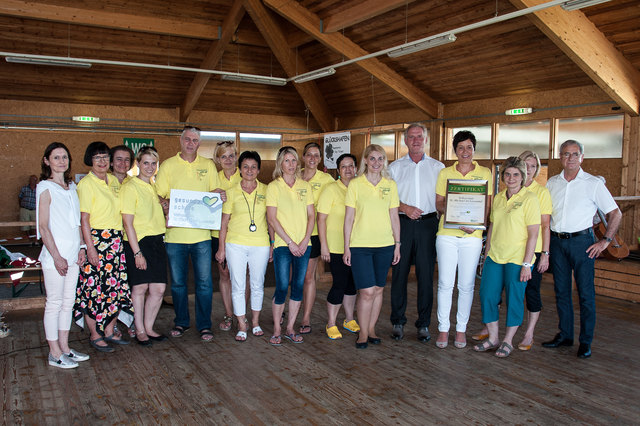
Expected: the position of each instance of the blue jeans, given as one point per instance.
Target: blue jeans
(178, 255)
(283, 262)
(569, 255)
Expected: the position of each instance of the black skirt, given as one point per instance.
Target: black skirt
(153, 250)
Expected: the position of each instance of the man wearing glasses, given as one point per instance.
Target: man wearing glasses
(576, 196)
(189, 171)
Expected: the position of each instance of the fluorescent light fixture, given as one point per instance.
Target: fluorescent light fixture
(210, 134)
(256, 79)
(579, 4)
(260, 136)
(85, 119)
(518, 111)
(303, 78)
(422, 45)
(51, 62)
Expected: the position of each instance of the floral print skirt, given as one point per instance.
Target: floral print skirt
(103, 293)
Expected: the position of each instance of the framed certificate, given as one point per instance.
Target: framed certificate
(466, 203)
(193, 209)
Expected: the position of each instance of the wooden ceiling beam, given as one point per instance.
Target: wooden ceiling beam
(360, 13)
(588, 48)
(119, 21)
(275, 37)
(310, 23)
(212, 58)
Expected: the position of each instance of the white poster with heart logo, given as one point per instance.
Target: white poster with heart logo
(193, 209)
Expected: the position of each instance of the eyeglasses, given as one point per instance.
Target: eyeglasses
(100, 158)
(570, 154)
(191, 128)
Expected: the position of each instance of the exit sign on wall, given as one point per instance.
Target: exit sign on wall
(136, 143)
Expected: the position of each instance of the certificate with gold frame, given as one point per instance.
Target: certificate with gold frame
(466, 203)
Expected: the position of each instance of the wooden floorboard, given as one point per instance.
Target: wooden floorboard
(324, 382)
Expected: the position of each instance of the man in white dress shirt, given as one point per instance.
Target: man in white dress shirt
(415, 174)
(576, 196)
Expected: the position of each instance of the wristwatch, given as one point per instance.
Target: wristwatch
(608, 239)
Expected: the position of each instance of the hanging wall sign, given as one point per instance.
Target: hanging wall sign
(335, 144)
(136, 143)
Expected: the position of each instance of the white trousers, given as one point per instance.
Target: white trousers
(238, 257)
(61, 295)
(461, 254)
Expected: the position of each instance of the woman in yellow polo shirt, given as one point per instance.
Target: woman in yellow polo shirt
(511, 243)
(103, 293)
(144, 224)
(331, 233)
(244, 241)
(318, 180)
(458, 249)
(225, 156)
(291, 214)
(532, 292)
(371, 237)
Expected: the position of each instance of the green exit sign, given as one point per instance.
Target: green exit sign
(519, 111)
(85, 119)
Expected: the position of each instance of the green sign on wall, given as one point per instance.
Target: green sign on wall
(136, 143)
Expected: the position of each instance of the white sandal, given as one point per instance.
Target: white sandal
(257, 331)
(241, 336)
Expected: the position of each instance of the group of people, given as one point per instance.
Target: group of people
(106, 246)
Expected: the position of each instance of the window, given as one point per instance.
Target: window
(267, 145)
(515, 138)
(386, 141)
(483, 142)
(601, 136)
(209, 140)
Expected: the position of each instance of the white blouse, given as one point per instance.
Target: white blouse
(64, 221)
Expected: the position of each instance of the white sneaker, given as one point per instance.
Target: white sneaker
(77, 356)
(63, 362)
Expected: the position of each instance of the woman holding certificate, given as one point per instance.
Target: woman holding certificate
(511, 243)
(244, 240)
(371, 237)
(291, 214)
(458, 249)
(144, 224)
(330, 230)
(225, 156)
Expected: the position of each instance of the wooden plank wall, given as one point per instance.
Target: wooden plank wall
(618, 279)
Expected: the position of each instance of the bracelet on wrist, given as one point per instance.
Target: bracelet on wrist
(545, 252)
(83, 246)
(527, 265)
(139, 252)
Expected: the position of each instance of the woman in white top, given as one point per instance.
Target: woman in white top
(58, 215)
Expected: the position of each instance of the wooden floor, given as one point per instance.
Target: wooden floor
(186, 381)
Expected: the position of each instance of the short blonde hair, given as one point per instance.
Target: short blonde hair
(277, 171)
(368, 150)
(530, 154)
(221, 147)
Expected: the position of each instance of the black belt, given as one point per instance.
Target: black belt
(424, 216)
(567, 235)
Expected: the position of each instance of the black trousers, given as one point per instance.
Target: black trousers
(418, 238)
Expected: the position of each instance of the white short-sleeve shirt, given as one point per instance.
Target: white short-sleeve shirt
(576, 202)
(417, 181)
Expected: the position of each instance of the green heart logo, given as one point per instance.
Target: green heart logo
(210, 201)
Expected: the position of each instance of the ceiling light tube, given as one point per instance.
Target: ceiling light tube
(303, 78)
(51, 62)
(256, 79)
(579, 4)
(408, 48)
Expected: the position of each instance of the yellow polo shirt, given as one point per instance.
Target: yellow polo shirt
(292, 207)
(318, 182)
(176, 173)
(510, 219)
(100, 201)
(139, 199)
(372, 224)
(331, 203)
(544, 198)
(239, 204)
(226, 184)
(479, 173)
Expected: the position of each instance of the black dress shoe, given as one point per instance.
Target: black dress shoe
(558, 341)
(374, 340)
(584, 350)
(423, 334)
(160, 338)
(398, 331)
(362, 345)
(147, 342)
